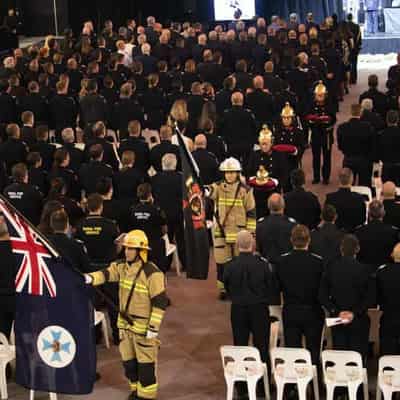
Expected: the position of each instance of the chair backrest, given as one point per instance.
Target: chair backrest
(389, 371)
(363, 190)
(291, 363)
(241, 362)
(239, 354)
(4, 341)
(342, 366)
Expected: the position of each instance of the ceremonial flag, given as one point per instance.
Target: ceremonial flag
(54, 323)
(196, 236)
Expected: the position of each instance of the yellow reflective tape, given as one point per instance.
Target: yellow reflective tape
(230, 202)
(139, 285)
(148, 389)
(133, 386)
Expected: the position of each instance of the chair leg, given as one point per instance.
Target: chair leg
(365, 385)
(105, 333)
(330, 389)
(53, 396)
(3, 382)
(315, 384)
(229, 390)
(31, 394)
(352, 389)
(302, 389)
(266, 384)
(279, 390)
(252, 388)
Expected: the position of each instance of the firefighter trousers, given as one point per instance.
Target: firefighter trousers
(139, 357)
(223, 252)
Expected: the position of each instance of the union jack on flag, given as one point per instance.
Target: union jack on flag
(33, 255)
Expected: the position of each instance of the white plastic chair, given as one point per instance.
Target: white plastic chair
(345, 369)
(292, 365)
(363, 190)
(388, 380)
(276, 311)
(7, 354)
(99, 317)
(243, 364)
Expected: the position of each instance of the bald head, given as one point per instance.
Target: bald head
(200, 142)
(258, 82)
(245, 242)
(396, 253)
(389, 190)
(237, 99)
(276, 204)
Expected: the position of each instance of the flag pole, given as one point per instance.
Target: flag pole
(55, 16)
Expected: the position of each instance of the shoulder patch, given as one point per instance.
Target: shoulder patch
(150, 268)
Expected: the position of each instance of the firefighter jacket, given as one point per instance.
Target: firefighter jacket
(234, 210)
(148, 301)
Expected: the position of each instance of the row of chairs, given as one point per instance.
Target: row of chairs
(8, 354)
(293, 366)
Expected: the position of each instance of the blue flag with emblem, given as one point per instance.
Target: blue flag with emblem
(54, 323)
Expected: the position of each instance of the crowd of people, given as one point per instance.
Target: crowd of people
(89, 150)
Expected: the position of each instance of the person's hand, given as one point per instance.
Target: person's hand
(88, 279)
(347, 317)
(151, 335)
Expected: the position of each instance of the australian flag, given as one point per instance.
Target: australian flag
(194, 210)
(54, 323)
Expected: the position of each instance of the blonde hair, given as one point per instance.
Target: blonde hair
(178, 112)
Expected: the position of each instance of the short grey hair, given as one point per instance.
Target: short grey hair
(169, 162)
(367, 104)
(244, 241)
(68, 135)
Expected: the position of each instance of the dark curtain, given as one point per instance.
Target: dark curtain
(320, 8)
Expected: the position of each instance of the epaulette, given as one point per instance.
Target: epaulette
(292, 220)
(285, 255)
(263, 259)
(382, 267)
(316, 256)
(261, 219)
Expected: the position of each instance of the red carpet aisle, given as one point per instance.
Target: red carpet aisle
(197, 324)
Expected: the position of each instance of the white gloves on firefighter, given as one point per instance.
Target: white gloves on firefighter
(88, 279)
(151, 335)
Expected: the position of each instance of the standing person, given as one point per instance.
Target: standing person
(357, 142)
(143, 302)
(356, 32)
(301, 205)
(24, 197)
(321, 119)
(388, 279)
(98, 234)
(299, 275)
(344, 294)
(149, 218)
(8, 273)
(250, 284)
(372, 15)
(234, 211)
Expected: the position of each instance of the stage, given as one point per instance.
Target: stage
(381, 43)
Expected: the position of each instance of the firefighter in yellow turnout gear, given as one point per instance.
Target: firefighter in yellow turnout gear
(143, 302)
(234, 211)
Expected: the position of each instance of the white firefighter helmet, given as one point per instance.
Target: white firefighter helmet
(230, 165)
